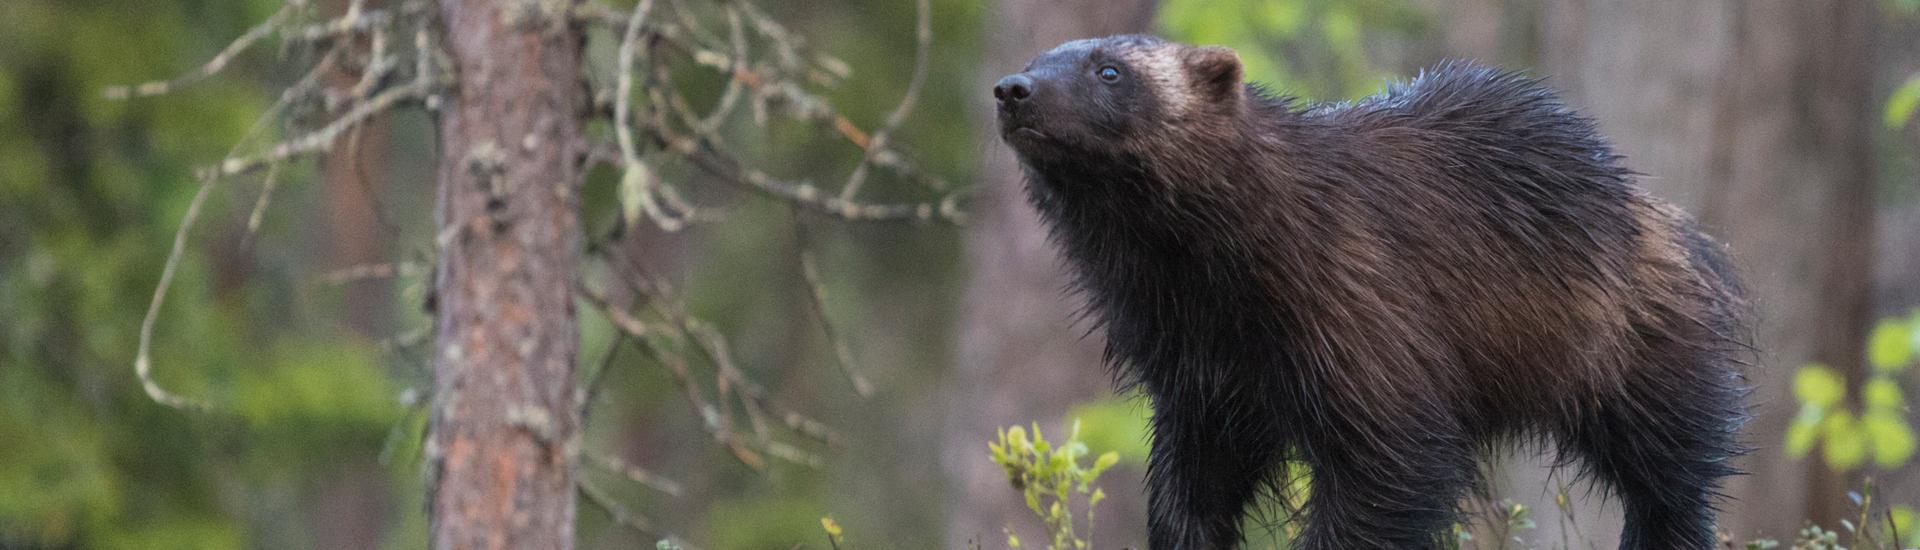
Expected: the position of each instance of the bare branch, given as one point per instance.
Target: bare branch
(731, 95)
(765, 86)
(368, 272)
(713, 418)
(212, 66)
(322, 139)
(923, 41)
(817, 292)
(637, 184)
(636, 474)
(355, 21)
(802, 194)
(616, 511)
(259, 213)
(792, 47)
(143, 359)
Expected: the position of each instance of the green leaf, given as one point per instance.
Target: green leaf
(1901, 105)
(1117, 423)
(1892, 439)
(1901, 521)
(1106, 460)
(1817, 385)
(1883, 393)
(831, 527)
(1890, 346)
(1846, 444)
(1801, 436)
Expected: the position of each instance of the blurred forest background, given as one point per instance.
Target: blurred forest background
(1785, 125)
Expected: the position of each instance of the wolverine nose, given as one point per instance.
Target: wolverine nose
(1013, 88)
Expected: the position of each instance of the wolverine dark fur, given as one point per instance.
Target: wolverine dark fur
(1383, 290)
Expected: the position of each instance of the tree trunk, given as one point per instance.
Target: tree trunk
(352, 511)
(1791, 190)
(1755, 116)
(504, 418)
(1020, 356)
(1646, 70)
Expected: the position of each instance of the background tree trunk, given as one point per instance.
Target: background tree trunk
(1749, 114)
(504, 417)
(353, 511)
(1022, 356)
(1790, 188)
(1646, 70)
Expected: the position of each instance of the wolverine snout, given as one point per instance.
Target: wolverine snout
(1013, 88)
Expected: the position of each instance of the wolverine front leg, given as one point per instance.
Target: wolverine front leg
(1386, 483)
(1207, 464)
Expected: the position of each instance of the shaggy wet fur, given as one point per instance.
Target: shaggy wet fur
(1382, 290)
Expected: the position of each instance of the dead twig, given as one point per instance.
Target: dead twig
(923, 42)
(636, 474)
(817, 294)
(212, 66)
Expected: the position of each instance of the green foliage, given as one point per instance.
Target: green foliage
(1048, 476)
(1118, 423)
(90, 193)
(1814, 538)
(1874, 527)
(1328, 37)
(1879, 429)
(1506, 519)
(835, 536)
(1901, 106)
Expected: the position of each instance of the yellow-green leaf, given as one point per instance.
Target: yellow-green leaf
(1801, 437)
(1818, 385)
(1902, 522)
(1890, 347)
(832, 527)
(1901, 105)
(1884, 393)
(1846, 444)
(1892, 439)
(1106, 460)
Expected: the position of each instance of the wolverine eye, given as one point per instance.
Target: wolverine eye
(1109, 74)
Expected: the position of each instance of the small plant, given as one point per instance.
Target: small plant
(1879, 429)
(1513, 517)
(1506, 520)
(1875, 528)
(1815, 538)
(835, 537)
(1049, 476)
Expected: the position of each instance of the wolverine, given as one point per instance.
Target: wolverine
(1382, 290)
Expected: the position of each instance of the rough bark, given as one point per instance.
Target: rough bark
(1020, 356)
(504, 417)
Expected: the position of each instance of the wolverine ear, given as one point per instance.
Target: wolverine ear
(1214, 71)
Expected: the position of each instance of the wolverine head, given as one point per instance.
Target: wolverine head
(1096, 99)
